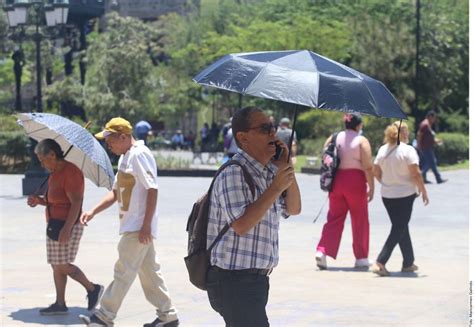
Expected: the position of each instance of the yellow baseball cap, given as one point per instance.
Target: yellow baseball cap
(115, 125)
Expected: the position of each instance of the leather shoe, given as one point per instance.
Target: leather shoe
(411, 268)
(441, 181)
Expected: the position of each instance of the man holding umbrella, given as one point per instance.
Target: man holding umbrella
(136, 191)
(238, 282)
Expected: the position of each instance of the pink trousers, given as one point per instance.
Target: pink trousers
(349, 193)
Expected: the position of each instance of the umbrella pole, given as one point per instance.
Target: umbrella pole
(292, 132)
(398, 136)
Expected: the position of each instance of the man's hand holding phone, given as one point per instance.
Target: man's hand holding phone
(281, 154)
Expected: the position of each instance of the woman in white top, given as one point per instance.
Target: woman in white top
(396, 168)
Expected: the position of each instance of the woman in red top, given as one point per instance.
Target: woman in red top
(63, 202)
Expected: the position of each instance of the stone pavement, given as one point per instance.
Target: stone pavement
(300, 295)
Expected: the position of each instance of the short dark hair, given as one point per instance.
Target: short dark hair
(431, 113)
(352, 120)
(241, 120)
(44, 147)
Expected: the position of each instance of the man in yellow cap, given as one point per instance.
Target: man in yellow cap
(136, 191)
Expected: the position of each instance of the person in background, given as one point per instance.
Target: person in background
(284, 134)
(352, 190)
(230, 145)
(238, 282)
(177, 141)
(425, 142)
(214, 137)
(204, 137)
(63, 201)
(396, 168)
(226, 127)
(190, 140)
(142, 129)
(136, 191)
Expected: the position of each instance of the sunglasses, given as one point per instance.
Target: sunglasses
(266, 128)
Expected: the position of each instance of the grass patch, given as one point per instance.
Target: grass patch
(460, 165)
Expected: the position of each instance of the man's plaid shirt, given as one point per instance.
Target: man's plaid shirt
(230, 197)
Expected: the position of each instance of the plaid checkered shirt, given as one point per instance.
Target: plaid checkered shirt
(231, 195)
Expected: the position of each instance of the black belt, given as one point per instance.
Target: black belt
(250, 271)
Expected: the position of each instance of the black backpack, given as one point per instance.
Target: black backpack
(329, 164)
(198, 259)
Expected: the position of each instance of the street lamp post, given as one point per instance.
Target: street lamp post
(54, 13)
(417, 66)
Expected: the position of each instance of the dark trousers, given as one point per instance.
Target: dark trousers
(240, 298)
(429, 162)
(399, 210)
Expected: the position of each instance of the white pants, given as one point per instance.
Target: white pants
(136, 258)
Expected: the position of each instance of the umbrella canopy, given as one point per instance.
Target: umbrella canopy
(303, 78)
(86, 152)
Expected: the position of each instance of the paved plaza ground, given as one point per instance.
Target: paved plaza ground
(300, 295)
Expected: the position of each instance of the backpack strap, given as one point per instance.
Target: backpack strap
(334, 137)
(248, 179)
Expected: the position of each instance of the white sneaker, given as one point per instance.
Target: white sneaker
(321, 260)
(363, 263)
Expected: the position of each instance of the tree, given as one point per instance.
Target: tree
(444, 57)
(119, 79)
(384, 47)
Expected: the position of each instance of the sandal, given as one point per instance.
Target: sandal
(380, 270)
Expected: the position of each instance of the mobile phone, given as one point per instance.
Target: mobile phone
(278, 151)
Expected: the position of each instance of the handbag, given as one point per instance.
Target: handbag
(54, 228)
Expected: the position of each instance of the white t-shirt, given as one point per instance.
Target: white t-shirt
(396, 178)
(136, 174)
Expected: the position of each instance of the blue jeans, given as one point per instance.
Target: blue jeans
(429, 162)
(240, 298)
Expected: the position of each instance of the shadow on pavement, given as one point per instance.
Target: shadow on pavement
(32, 316)
(353, 269)
(405, 275)
(11, 197)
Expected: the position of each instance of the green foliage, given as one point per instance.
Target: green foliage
(68, 90)
(454, 121)
(383, 48)
(311, 147)
(14, 151)
(455, 148)
(8, 124)
(170, 162)
(444, 56)
(317, 123)
(143, 69)
(119, 77)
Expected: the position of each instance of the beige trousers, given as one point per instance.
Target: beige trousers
(136, 258)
